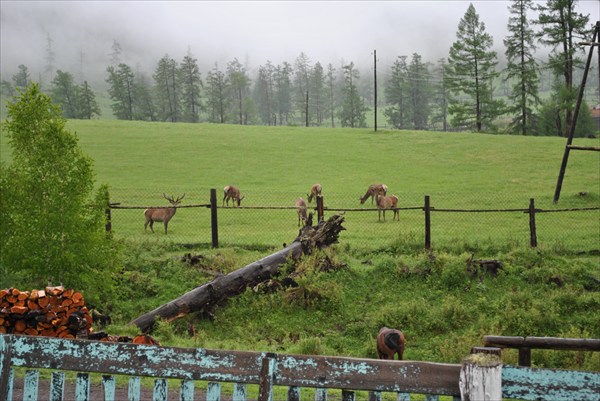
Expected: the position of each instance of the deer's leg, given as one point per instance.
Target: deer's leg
(151, 224)
(166, 224)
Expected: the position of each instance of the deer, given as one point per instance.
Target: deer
(301, 207)
(390, 342)
(232, 192)
(387, 202)
(373, 191)
(164, 214)
(315, 191)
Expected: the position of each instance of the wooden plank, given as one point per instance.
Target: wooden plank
(348, 395)
(82, 387)
(293, 393)
(213, 391)
(368, 374)
(235, 366)
(549, 385)
(267, 372)
(186, 390)
(133, 390)
(321, 394)
(57, 386)
(161, 390)
(567, 344)
(404, 397)
(30, 385)
(9, 389)
(109, 386)
(239, 392)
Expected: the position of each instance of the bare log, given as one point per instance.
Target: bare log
(234, 283)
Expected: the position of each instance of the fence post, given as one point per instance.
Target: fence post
(267, 373)
(481, 377)
(213, 218)
(532, 232)
(427, 210)
(320, 213)
(108, 225)
(524, 356)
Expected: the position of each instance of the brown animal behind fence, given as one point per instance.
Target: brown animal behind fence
(163, 215)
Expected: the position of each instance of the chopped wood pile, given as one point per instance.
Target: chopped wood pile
(53, 312)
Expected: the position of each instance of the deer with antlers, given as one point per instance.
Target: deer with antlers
(387, 202)
(373, 191)
(315, 191)
(162, 214)
(232, 192)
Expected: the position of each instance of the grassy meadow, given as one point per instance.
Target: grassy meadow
(274, 165)
(378, 274)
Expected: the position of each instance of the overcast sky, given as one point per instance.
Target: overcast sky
(251, 31)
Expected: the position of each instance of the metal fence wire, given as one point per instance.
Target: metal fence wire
(441, 221)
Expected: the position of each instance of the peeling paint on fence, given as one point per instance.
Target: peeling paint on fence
(547, 384)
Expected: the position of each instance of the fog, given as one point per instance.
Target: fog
(83, 32)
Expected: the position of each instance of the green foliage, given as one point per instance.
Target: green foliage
(353, 108)
(54, 225)
(471, 70)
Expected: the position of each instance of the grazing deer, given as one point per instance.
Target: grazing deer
(373, 191)
(390, 342)
(164, 214)
(301, 210)
(315, 191)
(387, 202)
(232, 192)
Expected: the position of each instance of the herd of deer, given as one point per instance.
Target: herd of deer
(377, 192)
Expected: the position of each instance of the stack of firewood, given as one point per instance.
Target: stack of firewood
(53, 312)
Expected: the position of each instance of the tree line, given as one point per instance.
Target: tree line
(460, 92)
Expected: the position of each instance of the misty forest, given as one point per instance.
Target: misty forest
(471, 89)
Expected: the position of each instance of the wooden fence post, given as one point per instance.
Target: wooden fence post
(524, 356)
(320, 213)
(213, 218)
(532, 232)
(108, 225)
(481, 377)
(427, 210)
(267, 372)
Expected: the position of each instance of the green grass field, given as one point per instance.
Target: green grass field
(382, 276)
(275, 165)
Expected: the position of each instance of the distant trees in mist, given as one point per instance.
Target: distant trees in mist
(464, 91)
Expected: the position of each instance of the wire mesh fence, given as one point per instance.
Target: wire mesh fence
(450, 221)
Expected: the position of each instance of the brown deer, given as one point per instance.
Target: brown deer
(232, 192)
(373, 191)
(301, 210)
(387, 202)
(164, 214)
(390, 342)
(315, 191)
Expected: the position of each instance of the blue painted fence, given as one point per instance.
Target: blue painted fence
(267, 370)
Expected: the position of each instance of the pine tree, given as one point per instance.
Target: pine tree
(396, 94)
(218, 103)
(561, 27)
(263, 93)
(190, 83)
(283, 92)
(419, 91)
(471, 69)
(353, 108)
(21, 78)
(239, 84)
(168, 94)
(121, 91)
(521, 68)
(88, 107)
(66, 93)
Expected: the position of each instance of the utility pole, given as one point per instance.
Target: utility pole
(375, 86)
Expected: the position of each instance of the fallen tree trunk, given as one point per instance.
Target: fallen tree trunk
(234, 283)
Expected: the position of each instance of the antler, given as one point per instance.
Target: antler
(170, 198)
